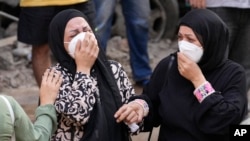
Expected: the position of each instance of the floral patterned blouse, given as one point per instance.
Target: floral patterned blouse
(76, 100)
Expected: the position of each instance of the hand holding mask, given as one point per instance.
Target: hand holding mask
(73, 42)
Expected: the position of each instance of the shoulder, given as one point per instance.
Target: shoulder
(10, 99)
(115, 66)
(118, 70)
(231, 73)
(59, 67)
(233, 66)
(115, 63)
(166, 63)
(64, 71)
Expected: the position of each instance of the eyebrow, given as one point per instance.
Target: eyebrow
(186, 34)
(76, 30)
(85, 28)
(190, 35)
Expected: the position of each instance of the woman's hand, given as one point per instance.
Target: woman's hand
(190, 70)
(130, 113)
(50, 85)
(86, 53)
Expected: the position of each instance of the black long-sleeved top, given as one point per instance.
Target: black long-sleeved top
(171, 99)
(182, 117)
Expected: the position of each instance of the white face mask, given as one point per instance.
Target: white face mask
(192, 51)
(73, 42)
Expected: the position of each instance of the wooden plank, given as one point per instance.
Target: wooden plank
(7, 41)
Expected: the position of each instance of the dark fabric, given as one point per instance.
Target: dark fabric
(33, 24)
(95, 129)
(109, 93)
(110, 99)
(173, 104)
(214, 33)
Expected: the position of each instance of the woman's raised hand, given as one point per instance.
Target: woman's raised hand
(86, 53)
(50, 85)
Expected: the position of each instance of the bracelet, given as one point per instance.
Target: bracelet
(203, 91)
(144, 105)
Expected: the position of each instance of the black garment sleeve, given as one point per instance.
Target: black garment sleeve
(151, 93)
(227, 106)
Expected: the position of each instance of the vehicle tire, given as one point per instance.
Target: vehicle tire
(164, 17)
(171, 10)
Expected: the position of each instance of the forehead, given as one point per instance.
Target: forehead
(76, 22)
(185, 29)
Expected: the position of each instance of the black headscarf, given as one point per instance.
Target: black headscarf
(213, 35)
(109, 92)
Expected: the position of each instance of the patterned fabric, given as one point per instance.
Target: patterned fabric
(203, 91)
(76, 100)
